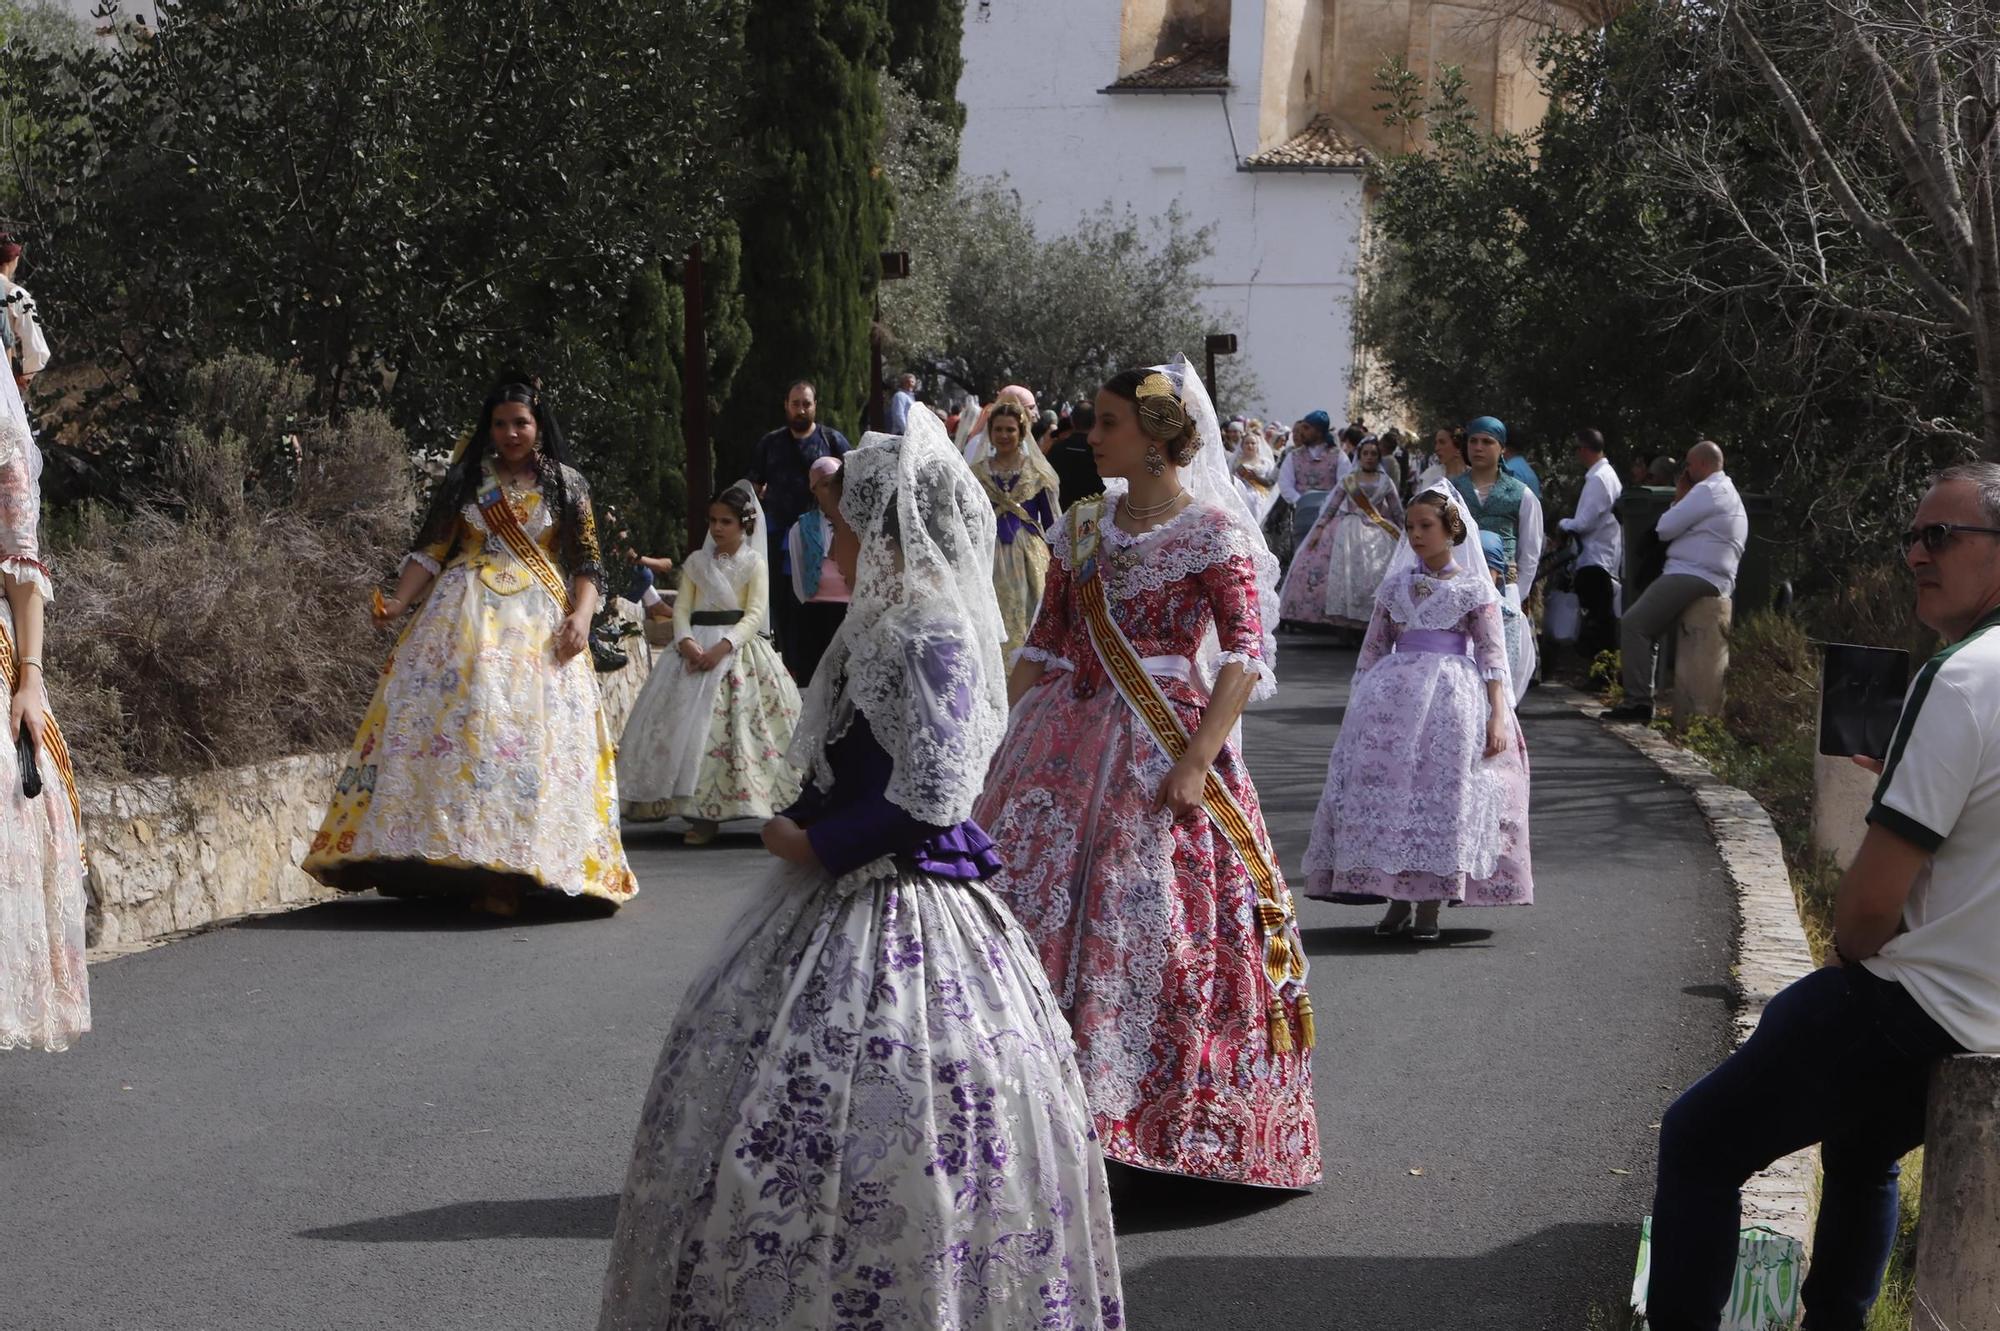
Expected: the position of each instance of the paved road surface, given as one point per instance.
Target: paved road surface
(373, 1114)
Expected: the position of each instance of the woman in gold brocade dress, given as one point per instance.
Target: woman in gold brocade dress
(483, 766)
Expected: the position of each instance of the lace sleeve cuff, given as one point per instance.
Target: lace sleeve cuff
(1264, 679)
(25, 570)
(421, 560)
(1047, 658)
(1493, 674)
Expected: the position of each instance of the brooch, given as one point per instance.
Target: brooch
(1423, 589)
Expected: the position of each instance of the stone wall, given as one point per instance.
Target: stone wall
(170, 854)
(173, 854)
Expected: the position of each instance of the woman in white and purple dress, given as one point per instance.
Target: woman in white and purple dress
(1426, 799)
(868, 1113)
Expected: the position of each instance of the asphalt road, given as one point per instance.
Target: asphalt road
(379, 1114)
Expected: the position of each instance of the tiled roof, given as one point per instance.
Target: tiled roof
(1201, 67)
(1318, 147)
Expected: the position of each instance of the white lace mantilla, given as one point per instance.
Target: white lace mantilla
(1442, 607)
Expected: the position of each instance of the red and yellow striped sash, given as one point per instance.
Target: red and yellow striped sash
(1284, 960)
(504, 522)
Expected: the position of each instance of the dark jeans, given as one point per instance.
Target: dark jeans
(784, 605)
(1841, 1058)
(1597, 598)
(812, 634)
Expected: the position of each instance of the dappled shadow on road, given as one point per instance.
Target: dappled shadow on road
(368, 913)
(1564, 1277)
(526, 1218)
(1360, 940)
(1143, 1202)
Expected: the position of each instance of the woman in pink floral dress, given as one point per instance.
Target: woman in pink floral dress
(1136, 854)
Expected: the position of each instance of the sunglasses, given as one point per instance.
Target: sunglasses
(1937, 535)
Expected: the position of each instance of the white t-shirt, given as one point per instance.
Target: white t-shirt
(1940, 791)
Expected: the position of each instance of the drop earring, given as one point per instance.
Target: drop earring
(1156, 462)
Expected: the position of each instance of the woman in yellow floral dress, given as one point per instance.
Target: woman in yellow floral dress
(483, 766)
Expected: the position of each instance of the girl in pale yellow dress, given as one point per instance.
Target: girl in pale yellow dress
(484, 766)
(1022, 486)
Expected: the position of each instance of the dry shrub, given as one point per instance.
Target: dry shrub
(1875, 607)
(224, 621)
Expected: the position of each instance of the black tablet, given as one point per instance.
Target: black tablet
(1860, 696)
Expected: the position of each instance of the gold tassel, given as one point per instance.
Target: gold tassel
(1307, 1035)
(1281, 1029)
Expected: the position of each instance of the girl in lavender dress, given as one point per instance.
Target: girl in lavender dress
(1426, 797)
(868, 1113)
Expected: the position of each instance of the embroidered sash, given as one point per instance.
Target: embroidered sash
(52, 736)
(1367, 506)
(1005, 505)
(504, 522)
(1284, 959)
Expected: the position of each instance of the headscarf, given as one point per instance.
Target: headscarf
(919, 652)
(1496, 551)
(1322, 422)
(1486, 425)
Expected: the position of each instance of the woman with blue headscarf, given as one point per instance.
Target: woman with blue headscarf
(1313, 465)
(1500, 503)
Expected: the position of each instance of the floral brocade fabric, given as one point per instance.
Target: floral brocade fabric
(1413, 810)
(866, 1118)
(478, 751)
(1340, 563)
(1145, 922)
(44, 987)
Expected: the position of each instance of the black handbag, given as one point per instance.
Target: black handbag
(31, 773)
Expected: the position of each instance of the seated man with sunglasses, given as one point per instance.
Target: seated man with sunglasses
(1705, 532)
(1844, 1056)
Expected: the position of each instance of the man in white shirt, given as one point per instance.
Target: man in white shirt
(1600, 546)
(1844, 1057)
(1705, 531)
(900, 402)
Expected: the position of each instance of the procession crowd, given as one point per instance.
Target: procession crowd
(1026, 926)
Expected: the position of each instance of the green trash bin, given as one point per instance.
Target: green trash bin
(1639, 509)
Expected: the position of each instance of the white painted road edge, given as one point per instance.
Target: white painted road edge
(1771, 948)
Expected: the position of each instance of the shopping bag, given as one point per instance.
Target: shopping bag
(1562, 615)
(1769, 1270)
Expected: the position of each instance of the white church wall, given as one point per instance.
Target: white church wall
(1282, 273)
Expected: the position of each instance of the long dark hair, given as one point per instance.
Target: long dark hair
(460, 484)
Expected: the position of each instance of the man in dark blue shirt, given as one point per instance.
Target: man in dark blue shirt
(781, 469)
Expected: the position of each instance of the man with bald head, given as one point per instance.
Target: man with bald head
(1705, 532)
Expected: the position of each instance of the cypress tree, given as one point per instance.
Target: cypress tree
(814, 215)
(927, 52)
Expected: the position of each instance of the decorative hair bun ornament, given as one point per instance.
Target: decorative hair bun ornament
(1161, 414)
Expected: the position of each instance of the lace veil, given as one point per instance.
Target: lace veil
(705, 566)
(919, 653)
(1208, 479)
(1468, 556)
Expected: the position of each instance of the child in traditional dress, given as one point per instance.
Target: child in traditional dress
(1426, 797)
(707, 738)
(1023, 488)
